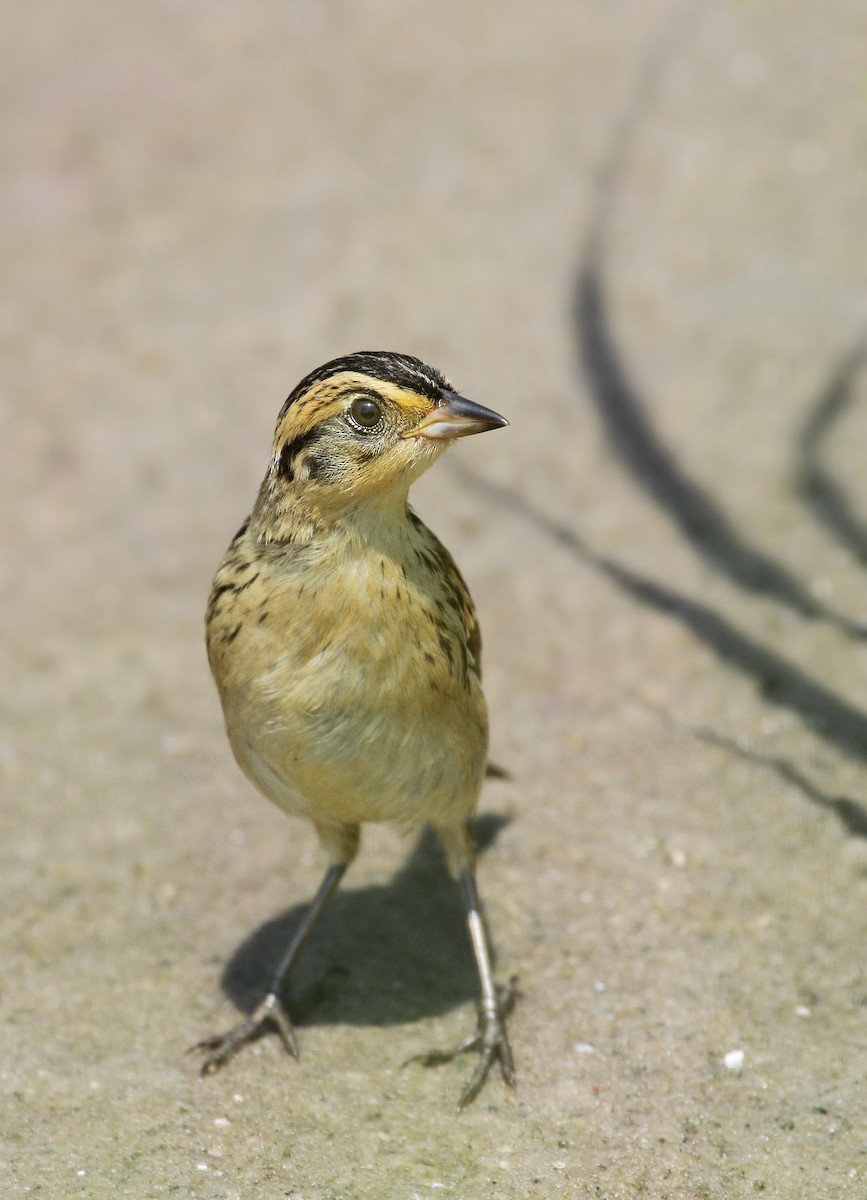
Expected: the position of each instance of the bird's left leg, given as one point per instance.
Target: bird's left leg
(490, 1039)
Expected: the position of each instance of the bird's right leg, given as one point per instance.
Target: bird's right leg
(221, 1047)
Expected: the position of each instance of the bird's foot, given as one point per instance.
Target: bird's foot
(490, 1041)
(223, 1046)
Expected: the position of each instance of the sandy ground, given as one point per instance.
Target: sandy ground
(636, 229)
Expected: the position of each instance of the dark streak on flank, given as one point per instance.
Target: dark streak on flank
(223, 587)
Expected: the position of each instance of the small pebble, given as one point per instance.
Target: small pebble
(734, 1060)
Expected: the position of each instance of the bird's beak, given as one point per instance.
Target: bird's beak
(455, 417)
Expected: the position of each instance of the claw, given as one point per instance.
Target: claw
(490, 1041)
(223, 1046)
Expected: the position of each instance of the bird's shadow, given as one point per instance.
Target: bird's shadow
(381, 955)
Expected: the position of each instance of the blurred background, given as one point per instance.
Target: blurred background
(636, 230)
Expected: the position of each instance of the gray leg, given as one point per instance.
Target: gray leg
(490, 1039)
(223, 1046)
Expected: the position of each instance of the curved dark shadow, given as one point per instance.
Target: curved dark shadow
(631, 435)
(381, 955)
(850, 813)
(825, 498)
(624, 411)
(829, 716)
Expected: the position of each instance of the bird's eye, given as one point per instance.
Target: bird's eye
(365, 413)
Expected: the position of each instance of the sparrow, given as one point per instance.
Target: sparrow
(346, 652)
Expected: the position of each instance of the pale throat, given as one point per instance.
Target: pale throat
(292, 512)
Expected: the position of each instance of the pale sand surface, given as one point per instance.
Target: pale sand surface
(639, 231)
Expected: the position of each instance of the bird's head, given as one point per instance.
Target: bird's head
(361, 428)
